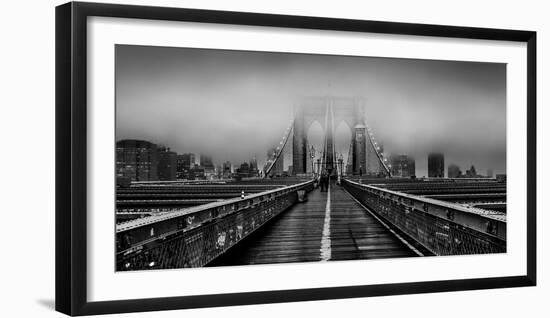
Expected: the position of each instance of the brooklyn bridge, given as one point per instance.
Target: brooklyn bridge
(326, 210)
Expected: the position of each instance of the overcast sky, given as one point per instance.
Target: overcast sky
(236, 104)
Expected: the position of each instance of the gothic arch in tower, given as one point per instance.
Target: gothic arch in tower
(329, 112)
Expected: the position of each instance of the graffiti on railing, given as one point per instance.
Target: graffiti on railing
(195, 240)
(440, 233)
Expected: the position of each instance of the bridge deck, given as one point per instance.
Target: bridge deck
(335, 229)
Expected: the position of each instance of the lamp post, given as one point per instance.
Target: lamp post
(312, 156)
(340, 167)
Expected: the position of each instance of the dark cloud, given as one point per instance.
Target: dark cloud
(235, 104)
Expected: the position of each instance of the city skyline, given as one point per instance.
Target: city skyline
(414, 106)
(396, 160)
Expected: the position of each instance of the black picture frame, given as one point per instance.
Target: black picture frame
(71, 157)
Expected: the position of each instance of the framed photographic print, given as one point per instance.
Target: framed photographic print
(213, 158)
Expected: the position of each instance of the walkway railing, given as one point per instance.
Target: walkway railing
(195, 236)
(440, 227)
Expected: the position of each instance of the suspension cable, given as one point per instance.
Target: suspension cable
(279, 150)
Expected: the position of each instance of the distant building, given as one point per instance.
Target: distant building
(489, 173)
(226, 170)
(253, 166)
(196, 173)
(123, 182)
(167, 164)
(185, 162)
(436, 165)
(208, 166)
(136, 160)
(402, 166)
(219, 172)
(453, 171)
(244, 170)
(472, 173)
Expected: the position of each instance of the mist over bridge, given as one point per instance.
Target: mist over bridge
(325, 211)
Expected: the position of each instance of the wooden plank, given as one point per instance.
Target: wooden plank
(295, 235)
(355, 234)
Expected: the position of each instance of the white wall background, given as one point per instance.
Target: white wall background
(27, 158)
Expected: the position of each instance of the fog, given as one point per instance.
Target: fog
(235, 105)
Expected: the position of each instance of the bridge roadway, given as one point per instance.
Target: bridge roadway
(326, 227)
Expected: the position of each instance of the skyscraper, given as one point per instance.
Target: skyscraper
(136, 160)
(207, 165)
(244, 170)
(436, 165)
(226, 170)
(167, 164)
(402, 166)
(185, 162)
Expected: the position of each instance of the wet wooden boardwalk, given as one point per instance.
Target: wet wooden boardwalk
(323, 228)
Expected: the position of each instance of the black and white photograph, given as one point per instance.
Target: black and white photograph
(228, 157)
(273, 159)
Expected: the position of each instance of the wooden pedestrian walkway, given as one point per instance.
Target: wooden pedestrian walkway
(322, 229)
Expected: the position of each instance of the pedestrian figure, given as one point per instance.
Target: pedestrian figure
(323, 182)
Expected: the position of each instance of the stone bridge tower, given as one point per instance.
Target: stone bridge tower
(329, 112)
